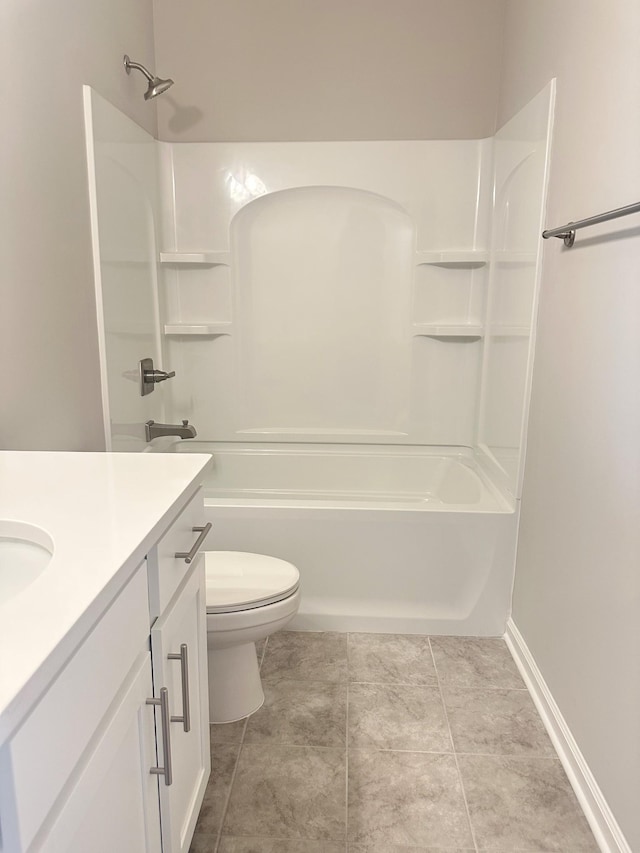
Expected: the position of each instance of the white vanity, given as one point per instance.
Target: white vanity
(104, 739)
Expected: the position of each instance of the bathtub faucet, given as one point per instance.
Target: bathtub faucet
(153, 430)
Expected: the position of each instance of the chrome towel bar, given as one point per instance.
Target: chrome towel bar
(568, 232)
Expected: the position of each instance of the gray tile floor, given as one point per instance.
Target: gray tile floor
(386, 743)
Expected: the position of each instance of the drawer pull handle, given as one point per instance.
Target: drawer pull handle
(183, 657)
(188, 556)
(167, 770)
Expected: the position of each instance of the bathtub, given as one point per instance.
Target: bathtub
(387, 539)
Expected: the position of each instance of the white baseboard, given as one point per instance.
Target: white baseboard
(603, 824)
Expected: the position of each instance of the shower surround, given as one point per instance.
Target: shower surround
(352, 327)
(315, 286)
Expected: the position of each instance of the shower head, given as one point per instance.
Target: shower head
(156, 84)
(156, 87)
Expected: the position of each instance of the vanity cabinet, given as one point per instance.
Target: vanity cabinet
(92, 767)
(179, 654)
(114, 804)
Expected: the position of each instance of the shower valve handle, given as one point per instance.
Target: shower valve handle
(158, 375)
(149, 376)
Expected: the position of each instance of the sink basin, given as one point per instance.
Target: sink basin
(25, 551)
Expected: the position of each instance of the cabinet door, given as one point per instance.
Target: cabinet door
(183, 624)
(114, 804)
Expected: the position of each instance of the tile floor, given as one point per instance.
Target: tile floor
(386, 743)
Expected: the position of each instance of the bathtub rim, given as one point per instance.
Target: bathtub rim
(330, 507)
(503, 501)
(469, 457)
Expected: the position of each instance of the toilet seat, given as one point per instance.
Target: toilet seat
(237, 580)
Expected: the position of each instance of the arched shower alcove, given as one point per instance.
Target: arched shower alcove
(322, 288)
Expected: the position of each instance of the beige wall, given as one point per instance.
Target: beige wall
(577, 590)
(49, 381)
(257, 70)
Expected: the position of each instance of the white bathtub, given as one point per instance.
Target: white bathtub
(402, 539)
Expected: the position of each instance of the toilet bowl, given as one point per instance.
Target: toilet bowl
(249, 596)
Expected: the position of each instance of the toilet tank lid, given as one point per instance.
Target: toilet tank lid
(237, 578)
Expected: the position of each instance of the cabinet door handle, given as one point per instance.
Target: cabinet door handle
(188, 556)
(183, 657)
(167, 770)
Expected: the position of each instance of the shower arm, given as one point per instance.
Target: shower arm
(129, 65)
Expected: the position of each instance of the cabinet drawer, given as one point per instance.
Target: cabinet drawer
(43, 753)
(166, 571)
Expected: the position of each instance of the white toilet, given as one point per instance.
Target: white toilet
(249, 596)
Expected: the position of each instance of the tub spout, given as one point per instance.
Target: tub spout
(154, 430)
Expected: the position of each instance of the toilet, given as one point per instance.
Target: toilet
(249, 596)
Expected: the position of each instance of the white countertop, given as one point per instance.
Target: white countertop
(103, 511)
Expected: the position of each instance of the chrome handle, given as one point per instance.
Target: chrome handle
(183, 657)
(189, 556)
(149, 376)
(158, 375)
(167, 770)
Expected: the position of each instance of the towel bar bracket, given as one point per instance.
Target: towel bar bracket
(569, 237)
(568, 232)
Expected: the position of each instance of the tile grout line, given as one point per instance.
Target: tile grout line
(453, 748)
(233, 778)
(231, 783)
(264, 651)
(415, 684)
(289, 745)
(293, 745)
(509, 755)
(346, 761)
(235, 768)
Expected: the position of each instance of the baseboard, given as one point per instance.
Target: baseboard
(603, 824)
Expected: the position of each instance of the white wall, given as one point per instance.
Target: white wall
(49, 387)
(577, 590)
(252, 70)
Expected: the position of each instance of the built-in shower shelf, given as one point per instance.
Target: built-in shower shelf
(453, 257)
(201, 258)
(210, 329)
(446, 330)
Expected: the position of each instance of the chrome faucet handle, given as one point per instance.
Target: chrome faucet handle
(158, 375)
(149, 376)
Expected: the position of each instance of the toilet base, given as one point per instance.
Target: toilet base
(235, 689)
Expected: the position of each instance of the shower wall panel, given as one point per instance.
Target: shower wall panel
(521, 161)
(326, 291)
(124, 209)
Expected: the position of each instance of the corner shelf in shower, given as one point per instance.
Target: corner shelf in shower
(202, 329)
(446, 330)
(453, 258)
(211, 259)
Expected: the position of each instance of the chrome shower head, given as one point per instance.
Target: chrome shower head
(156, 84)
(156, 87)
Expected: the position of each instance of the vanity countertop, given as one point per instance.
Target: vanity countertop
(103, 511)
